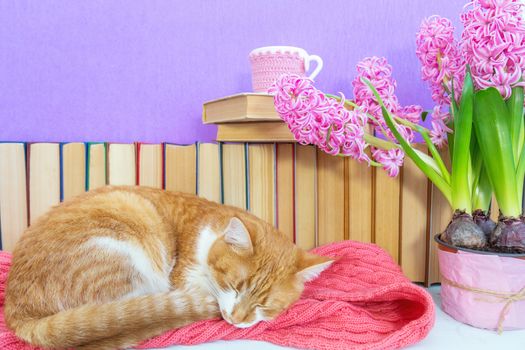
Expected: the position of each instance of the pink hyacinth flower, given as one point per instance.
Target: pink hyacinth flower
(439, 131)
(493, 41)
(441, 60)
(391, 160)
(379, 73)
(316, 119)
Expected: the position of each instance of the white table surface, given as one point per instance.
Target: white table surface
(447, 334)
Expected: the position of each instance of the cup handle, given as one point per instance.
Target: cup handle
(318, 67)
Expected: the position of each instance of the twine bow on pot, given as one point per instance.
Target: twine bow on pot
(507, 298)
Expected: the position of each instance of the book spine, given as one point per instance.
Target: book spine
(209, 177)
(440, 215)
(274, 166)
(305, 197)
(360, 201)
(122, 164)
(261, 164)
(386, 212)
(106, 161)
(284, 188)
(247, 175)
(181, 168)
(137, 162)
(44, 179)
(197, 166)
(221, 173)
(28, 176)
(89, 164)
(294, 189)
(13, 199)
(221, 191)
(163, 166)
(61, 169)
(277, 187)
(331, 197)
(87, 158)
(413, 225)
(233, 174)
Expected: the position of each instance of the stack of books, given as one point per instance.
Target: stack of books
(312, 197)
(246, 117)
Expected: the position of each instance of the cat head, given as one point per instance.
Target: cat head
(258, 272)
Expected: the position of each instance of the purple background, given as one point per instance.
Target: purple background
(126, 71)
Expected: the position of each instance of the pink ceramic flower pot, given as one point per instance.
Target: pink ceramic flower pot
(482, 289)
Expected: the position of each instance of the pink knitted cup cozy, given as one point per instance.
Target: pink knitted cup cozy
(363, 301)
(266, 68)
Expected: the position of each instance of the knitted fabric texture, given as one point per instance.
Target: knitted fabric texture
(267, 67)
(363, 301)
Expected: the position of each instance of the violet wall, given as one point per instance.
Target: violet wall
(126, 71)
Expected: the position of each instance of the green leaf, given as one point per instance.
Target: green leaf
(436, 178)
(424, 115)
(515, 106)
(482, 194)
(476, 161)
(425, 133)
(428, 160)
(436, 156)
(494, 140)
(461, 193)
(520, 173)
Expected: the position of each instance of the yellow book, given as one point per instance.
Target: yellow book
(441, 214)
(181, 168)
(330, 198)
(151, 167)
(360, 201)
(261, 179)
(305, 197)
(414, 219)
(13, 199)
(44, 178)
(73, 169)
(386, 216)
(254, 132)
(234, 174)
(122, 167)
(96, 165)
(243, 107)
(209, 172)
(285, 189)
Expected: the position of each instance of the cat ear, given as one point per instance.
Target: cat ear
(237, 236)
(310, 266)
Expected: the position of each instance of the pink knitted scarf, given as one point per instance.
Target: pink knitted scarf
(363, 301)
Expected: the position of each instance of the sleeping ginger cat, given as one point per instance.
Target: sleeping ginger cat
(118, 265)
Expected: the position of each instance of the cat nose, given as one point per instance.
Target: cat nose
(240, 316)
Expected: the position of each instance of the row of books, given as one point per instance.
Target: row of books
(36, 176)
(312, 197)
